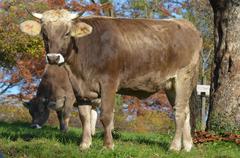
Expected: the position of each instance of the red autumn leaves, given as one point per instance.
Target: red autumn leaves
(204, 136)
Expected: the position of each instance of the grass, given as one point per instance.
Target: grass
(18, 140)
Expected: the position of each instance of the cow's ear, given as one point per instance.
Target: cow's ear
(31, 27)
(81, 29)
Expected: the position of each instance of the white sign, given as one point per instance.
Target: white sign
(203, 89)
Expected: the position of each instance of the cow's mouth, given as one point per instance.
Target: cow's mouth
(36, 126)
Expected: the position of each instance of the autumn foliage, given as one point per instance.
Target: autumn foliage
(203, 136)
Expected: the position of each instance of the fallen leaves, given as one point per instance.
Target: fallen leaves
(204, 136)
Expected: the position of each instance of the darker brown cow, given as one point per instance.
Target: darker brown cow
(127, 56)
(55, 92)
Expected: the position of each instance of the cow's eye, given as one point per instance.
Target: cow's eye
(67, 34)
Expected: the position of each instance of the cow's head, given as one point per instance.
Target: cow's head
(38, 111)
(57, 28)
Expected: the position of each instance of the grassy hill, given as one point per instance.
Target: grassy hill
(18, 140)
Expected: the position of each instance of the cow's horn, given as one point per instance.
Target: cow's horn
(36, 15)
(76, 15)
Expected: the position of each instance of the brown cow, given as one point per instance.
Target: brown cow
(129, 56)
(55, 92)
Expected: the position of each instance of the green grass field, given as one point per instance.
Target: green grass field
(18, 140)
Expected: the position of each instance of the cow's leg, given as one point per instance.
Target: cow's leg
(183, 93)
(93, 121)
(108, 91)
(112, 123)
(85, 117)
(67, 109)
(60, 119)
(187, 138)
(66, 117)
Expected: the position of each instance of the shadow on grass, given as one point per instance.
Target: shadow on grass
(22, 130)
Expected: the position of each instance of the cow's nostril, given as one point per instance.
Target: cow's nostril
(48, 59)
(55, 58)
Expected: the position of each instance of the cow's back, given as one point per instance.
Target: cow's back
(140, 52)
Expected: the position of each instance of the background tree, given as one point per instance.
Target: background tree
(20, 55)
(155, 9)
(225, 97)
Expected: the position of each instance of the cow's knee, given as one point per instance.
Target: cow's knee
(106, 118)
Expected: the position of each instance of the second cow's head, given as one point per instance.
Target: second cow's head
(57, 28)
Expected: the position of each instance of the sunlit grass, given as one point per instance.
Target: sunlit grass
(18, 140)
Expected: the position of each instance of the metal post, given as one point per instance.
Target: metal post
(203, 98)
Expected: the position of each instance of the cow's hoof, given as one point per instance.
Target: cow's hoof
(109, 147)
(188, 146)
(93, 132)
(175, 147)
(64, 130)
(84, 146)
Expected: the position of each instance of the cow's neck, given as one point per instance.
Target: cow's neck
(87, 87)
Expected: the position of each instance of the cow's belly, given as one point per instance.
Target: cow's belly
(146, 85)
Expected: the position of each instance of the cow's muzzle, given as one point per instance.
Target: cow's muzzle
(37, 126)
(55, 58)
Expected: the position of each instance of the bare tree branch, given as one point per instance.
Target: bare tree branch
(6, 88)
(93, 1)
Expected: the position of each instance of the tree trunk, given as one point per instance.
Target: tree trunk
(225, 92)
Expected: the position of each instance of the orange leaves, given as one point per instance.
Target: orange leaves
(203, 136)
(76, 6)
(134, 104)
(231, 137)
(164, 11)
(24, 71)
(54, 4)
(28, 70)
(95, 8)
